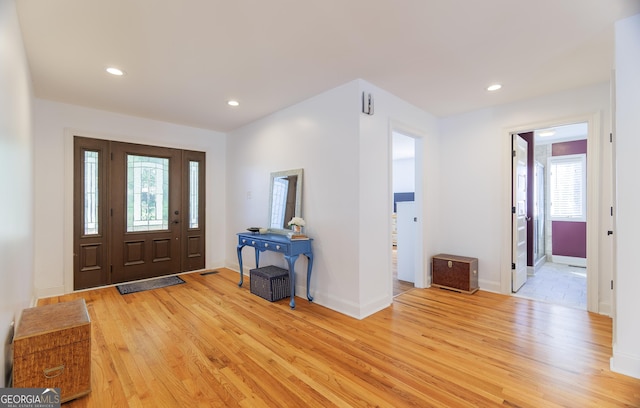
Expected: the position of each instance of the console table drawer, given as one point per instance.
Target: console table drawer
(265, 245)
(248, 242)
(275, 246)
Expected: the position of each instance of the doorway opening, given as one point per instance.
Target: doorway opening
(405, 248)
(551, 223)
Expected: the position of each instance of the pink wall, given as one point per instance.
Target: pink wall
(565, 148)
(569, 238)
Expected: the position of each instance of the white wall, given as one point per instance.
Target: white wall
(346, 190)
(16, 180)
(375, 198)
(626, 346)
(475, 149)
(320, 136)
(56, 124)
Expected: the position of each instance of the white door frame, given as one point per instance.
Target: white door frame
(594, 229)
(421, 278)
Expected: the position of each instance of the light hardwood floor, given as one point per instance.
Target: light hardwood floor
(209, 343)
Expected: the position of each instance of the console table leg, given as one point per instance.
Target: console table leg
(291, 261)
(240, 262)
(309, 265)
(257, 258)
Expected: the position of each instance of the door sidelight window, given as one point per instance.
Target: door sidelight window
(91, 202)
(194, 172)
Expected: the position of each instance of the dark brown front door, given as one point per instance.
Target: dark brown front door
(139, 212)
(193, 205)
(91, 265)
(146, 202)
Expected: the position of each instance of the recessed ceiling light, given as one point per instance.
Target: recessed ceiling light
(547, 133)
(494, 87)
(233, 103)
(115, 71)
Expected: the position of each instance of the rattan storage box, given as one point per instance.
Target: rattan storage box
(52, 349)
(270, 282)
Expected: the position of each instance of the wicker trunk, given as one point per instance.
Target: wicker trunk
(52, 349)
(270, 282)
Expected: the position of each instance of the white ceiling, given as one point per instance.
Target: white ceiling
(185, 59)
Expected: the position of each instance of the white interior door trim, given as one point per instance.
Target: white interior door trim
(422, 278)
(594, 229)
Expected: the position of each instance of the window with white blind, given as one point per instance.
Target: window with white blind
(568, 187)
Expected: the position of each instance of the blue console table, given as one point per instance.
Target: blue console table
(290, 248)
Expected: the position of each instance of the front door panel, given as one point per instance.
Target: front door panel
(193, 203)
(90, 218)
(146, 207)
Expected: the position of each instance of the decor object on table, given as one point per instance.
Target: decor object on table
(296, 225)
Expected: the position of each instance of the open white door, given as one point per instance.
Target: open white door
(519, 223)
(407, 231)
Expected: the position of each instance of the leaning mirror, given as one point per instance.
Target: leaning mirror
(285, 198)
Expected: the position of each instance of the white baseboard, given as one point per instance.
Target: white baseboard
(489, 286)
(569, 260)
(49, 292)
(374, 306)
(339, 305)
(604, 308)
(625, 364)
(350, 309)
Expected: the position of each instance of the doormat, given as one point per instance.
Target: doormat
(134, 287)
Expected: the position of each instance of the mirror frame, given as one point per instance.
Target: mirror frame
(298, 209)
